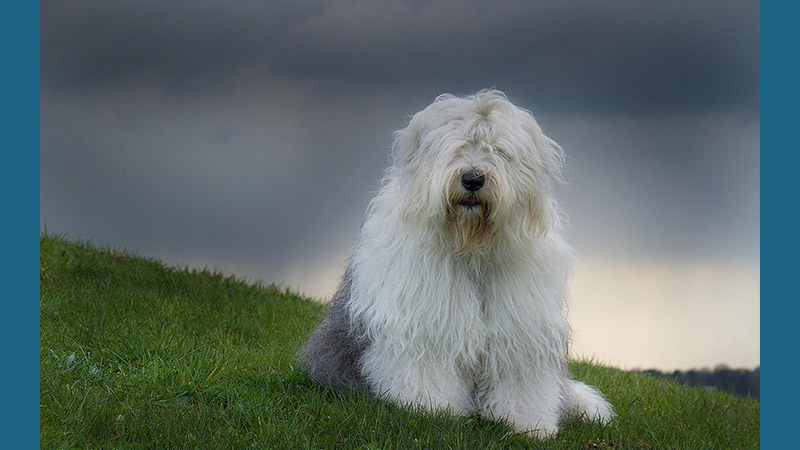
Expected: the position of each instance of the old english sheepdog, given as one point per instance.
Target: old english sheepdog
(454, 297)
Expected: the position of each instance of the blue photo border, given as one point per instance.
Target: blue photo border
(779, 124)
(20, 188)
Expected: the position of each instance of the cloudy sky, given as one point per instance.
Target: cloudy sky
(249, 136)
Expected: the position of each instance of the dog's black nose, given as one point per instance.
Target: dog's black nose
(472, 181)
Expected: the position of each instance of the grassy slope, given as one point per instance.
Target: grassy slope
(136, 354)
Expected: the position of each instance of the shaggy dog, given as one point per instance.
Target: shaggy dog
(454, 296)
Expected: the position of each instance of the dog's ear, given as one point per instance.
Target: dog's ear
(553, 158)
(405, 144)
(547, 153)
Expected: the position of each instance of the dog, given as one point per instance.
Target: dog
(454, 297)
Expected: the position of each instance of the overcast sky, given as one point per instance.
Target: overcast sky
(249, 136)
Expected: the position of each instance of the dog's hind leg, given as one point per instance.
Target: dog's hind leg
(332, 354)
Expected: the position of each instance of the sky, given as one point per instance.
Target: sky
(249, 137)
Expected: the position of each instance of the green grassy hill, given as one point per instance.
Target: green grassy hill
(135, 354)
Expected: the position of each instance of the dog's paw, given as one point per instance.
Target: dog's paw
(542, 433)
(540, 429)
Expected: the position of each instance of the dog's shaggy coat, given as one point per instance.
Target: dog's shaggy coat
(454, 296)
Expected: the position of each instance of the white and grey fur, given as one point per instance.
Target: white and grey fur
(454, 297)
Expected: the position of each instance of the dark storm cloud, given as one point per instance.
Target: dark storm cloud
(98, 43)
(621, 56)
(183, 121)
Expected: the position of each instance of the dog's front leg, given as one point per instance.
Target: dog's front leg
(406, 379)
(531, 406)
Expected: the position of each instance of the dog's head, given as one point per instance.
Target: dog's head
(478, 165)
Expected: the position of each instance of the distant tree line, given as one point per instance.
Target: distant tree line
(742, 382)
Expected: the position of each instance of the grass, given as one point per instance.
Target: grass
(135, 354)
